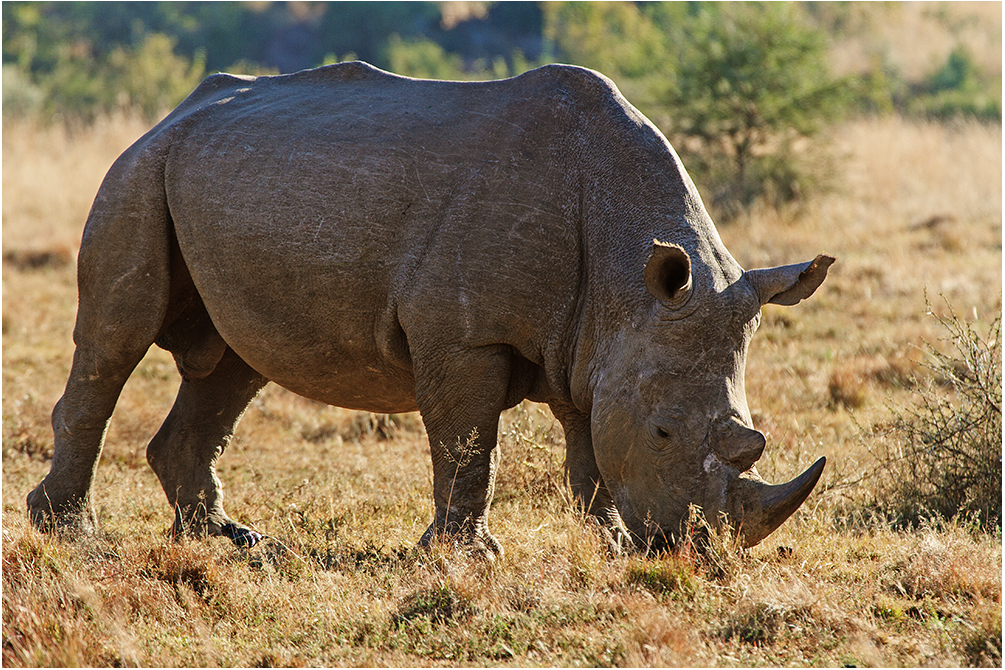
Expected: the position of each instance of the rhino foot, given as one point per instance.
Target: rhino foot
(612, 529)
(215, 525)
(619, 540)
(240, 535)
(480, 542)
(71, 518)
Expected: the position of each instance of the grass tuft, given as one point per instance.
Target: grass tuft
(438, 604)
(982, 646)
(759, 624)
(668, 577)
(848, 388)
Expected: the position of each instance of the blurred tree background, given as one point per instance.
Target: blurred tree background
(742, 90)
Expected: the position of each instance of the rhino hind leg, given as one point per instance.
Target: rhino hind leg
(192, 438)
(461, 398)
(123, 282)
(79, 421)
(589, 492)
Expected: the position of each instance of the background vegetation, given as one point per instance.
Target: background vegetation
(741, 89)
(871, 132)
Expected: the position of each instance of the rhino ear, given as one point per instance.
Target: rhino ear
(788, 284)
(668, 274)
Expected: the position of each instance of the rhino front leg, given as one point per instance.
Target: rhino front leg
(584, 479)
(195, 434)
(460, 399)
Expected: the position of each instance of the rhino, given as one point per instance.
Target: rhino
(390, 244)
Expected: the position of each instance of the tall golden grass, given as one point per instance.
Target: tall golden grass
(339, 583)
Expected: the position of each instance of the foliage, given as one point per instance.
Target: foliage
(752, 84)
(287, 36)
(958, 88)
(153, 78)
(422, 58)
(89, 59)
(741, 89)
(615, 38)
(949, 458)
(21, 97)
(150, 78)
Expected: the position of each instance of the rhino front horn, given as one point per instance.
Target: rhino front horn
(762, 507)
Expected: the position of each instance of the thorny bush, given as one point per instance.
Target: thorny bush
(947, 460)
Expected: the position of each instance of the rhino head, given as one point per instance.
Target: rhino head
(672, 427)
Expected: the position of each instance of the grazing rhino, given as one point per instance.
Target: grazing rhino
(390, 244)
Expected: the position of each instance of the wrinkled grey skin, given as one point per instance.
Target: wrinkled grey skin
(387, 244)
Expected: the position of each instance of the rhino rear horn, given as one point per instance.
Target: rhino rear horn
(668, 274)
(788, 284)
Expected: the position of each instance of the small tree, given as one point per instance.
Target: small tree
(751, 81)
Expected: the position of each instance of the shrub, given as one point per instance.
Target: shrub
(947, 460)
(752, 86)
(438, 604)
(422, 58)
(152, 77)
(664, 577)
(959, 88)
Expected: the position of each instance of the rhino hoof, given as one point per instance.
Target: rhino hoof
(241, 536)
(71, 519)
(486, 546)
(481, 543)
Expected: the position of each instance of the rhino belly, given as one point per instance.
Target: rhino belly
(342, 366)
(316, 319)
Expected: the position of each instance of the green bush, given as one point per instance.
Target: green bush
(959, 88)
(422, 58)
(752, 86)
(152, 78)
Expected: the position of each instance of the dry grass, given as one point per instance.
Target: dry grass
(346, 498)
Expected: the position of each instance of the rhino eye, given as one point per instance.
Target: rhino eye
(664, 431)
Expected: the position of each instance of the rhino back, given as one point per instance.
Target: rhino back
(337, 221)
